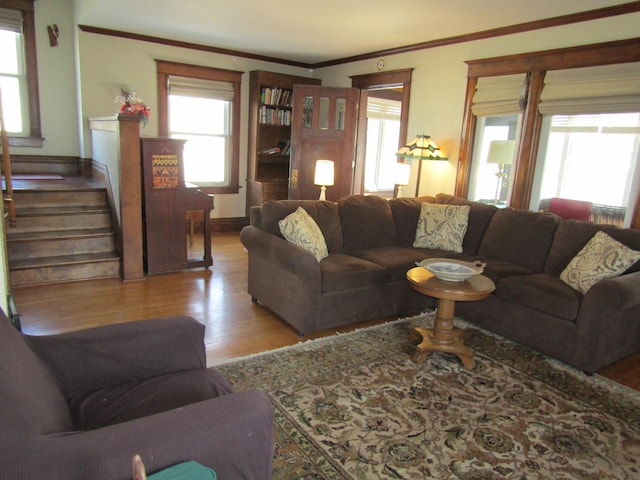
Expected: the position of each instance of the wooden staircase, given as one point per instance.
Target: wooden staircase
(63, 232)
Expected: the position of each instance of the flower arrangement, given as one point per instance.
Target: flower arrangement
(132, 105)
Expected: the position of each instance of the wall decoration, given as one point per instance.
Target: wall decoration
(165, 171)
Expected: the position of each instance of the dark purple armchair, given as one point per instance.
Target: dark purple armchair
(80, 405)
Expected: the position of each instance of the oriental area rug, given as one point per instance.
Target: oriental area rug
(355, 406)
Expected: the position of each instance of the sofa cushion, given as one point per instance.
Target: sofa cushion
(520, 237)
(442, 227)
(479, 218)
(366, 223)
(396, 260)
(601, 258)
(342, 272)
(405, 215)
(142, 398)
(300, 229)
(325, 214)
(496, 270)
(572, 235)
(540, 292)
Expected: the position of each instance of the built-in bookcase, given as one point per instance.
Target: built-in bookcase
(269, 149)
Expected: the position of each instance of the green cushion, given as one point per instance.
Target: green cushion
(185, 471)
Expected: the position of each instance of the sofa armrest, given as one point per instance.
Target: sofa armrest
(90, 359)
(608, 323)
(616, 293)
(231, 434)
(277, 250)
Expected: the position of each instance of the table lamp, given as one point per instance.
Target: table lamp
(323, 176)
(421, 148)
(501, 152)
(402, 171)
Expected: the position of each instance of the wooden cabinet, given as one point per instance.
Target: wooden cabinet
(270, 116)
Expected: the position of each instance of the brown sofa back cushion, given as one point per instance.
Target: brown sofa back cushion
(572, 235)
(367, 222)
(406, 212)
(325, 215)
(520, 237)
(479, 217)
(32, 402)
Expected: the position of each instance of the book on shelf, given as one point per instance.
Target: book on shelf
(270, 151)
(285, 147)
(274, 116)
(276, 96)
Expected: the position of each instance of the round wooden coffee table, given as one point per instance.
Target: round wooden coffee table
(443, 337)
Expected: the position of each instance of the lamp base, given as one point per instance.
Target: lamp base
(322, 193)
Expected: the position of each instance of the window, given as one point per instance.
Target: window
(592, 158)
(201, 105)
(497, 105)
(383, 131)
(19, 74)
(570, 98)
(491, 178)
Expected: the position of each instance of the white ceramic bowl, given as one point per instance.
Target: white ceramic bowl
(451, 270)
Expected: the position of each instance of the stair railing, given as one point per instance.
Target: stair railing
(7, 192)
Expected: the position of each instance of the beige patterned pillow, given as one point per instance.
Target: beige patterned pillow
(442, 226)
(301, 229)
(601, 258)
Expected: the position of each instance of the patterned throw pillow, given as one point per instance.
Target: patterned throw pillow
(442, 226)
(301, 229)
(601, 258)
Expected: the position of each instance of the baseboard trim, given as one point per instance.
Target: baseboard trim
(232, 224)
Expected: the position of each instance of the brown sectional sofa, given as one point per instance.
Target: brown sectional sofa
(370, 240)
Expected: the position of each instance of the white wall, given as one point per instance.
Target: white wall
(439, 83)
(57, 79)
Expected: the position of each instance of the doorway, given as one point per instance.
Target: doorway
(382, 129)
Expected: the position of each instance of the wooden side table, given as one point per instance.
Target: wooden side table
(443, 337)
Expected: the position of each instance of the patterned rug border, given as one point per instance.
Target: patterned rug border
(314, 341)
(460, 323)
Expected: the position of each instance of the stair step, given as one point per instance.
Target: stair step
(60, 218)
(59, 243)
(63, 260)
(63, 198)
(64, 269)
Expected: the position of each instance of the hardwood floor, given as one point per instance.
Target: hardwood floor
(216, 297)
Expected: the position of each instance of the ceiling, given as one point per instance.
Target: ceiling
(316, 32)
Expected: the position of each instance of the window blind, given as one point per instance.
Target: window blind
(11, 20)
(195, 87)
(603, 89)
(498, 95)
(382, 108)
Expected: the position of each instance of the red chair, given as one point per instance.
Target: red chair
(566, 208)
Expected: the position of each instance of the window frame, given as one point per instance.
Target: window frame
(165, 69)
(535, 65)
(34, 139)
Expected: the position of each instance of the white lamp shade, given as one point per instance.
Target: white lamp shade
(323, 173)
(402, 171)
(501, 152)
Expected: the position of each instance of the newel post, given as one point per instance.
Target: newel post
(131, 198)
